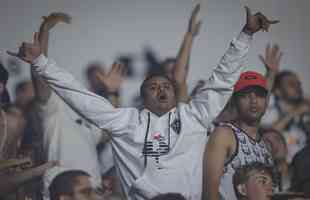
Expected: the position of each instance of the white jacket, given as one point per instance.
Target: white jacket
(174, 158)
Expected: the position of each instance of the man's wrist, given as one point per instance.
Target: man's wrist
(41, 60)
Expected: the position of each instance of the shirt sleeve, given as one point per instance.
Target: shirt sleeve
(49, 108)
(93, 107)
(210, 100)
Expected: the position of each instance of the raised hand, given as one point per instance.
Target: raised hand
(54, 18)
(28, 52)
(194, 25)
(256, 22)
(113, 79)
(272, 58)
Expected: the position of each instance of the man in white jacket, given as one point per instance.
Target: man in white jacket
(158, 149)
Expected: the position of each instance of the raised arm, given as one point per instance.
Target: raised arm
(211, 99)
(182, 62)
(271, 62)
(218, 150)
(42, 90)
(95, 108)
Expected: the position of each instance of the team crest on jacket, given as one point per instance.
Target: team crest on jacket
(176, 126)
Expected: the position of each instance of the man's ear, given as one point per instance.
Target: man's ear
(242, 190)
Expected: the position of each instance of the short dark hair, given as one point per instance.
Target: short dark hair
(168, 61)
(280, 76)
(143, 85)
(241, 174)
(169, 196)
(64, 183)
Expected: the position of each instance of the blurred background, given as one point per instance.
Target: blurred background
(142, 31)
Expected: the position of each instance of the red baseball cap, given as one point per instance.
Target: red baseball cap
(250, 78)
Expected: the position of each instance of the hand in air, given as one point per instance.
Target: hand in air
(257, 22)
(28, 52)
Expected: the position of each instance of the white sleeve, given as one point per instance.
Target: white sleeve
(50, 107)
(210, 100)
(93, 107)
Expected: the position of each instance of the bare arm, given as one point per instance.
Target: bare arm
(182, 63)
(42, 90)
(218, 150)
(13, 181)
(271, 62)
(210, 100)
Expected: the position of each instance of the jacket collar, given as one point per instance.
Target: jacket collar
(145, 111)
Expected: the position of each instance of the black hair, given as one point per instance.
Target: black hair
(169, 196)
(63, 183)
(236, 95)
(143, 85)
(168, 61)
(280, 76)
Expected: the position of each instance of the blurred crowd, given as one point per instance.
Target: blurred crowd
(237, 135)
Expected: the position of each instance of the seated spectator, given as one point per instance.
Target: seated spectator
(253, 182)
(72, 185)
(169, 196)
(286, 107)
(278, 149)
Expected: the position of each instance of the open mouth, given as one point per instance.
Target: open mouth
(162, 97)
(253, 110)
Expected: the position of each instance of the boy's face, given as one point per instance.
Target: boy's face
(82, 190)
(259, 186)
